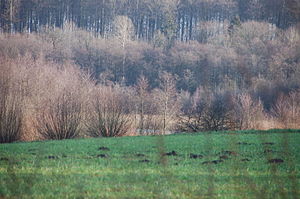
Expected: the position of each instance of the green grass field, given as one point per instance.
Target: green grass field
(211, 165)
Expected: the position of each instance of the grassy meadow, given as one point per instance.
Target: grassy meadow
(204, 165)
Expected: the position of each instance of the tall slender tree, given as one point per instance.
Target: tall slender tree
(167, 97)
(123, 31)
(142, 91)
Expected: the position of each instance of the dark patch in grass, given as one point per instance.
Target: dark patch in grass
(228, 153)
(195, 156)
(244, 143)
(275, 161)
(245, 160)
(64, 156)
(213, 162)
(144, 161)
(140, 155)
(30, 150)
(102, 156)
(103, 148)
(217, 161)
(269, 151)
(268, 143)
(224, 157)
(172, 153)
(4, 159)
(52, 157)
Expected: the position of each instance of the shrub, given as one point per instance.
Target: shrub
(217, 115)
(287, 110)
(108, 116)
(10, 108)
(60, 117)
(211, 114)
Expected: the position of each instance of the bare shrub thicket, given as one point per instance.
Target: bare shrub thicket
(286, 111)
(19, 45)
(52, 95)
(217, 113)
(107, 115)
(189, 118)
(45, 98)
(20, 75)
(60, 118)
(11, 114)
(60, 113)
(210, 113)
(248, 112)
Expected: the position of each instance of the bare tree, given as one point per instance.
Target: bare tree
(10, 12)
(294, 7)
(248, 112)
(123, 31)
(159, 40)
(287, 110)
(169, 25)
(167, 98)
(142, 91)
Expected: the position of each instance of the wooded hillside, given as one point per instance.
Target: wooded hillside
(181, 19)
(69, 68)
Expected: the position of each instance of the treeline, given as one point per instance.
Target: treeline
(45, 100)
(67, 83)
(252, 58)
(181, 19)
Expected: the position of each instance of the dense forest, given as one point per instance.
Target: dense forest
(166, 65)
(180, 19)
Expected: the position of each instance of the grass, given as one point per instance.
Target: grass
(71, 168)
